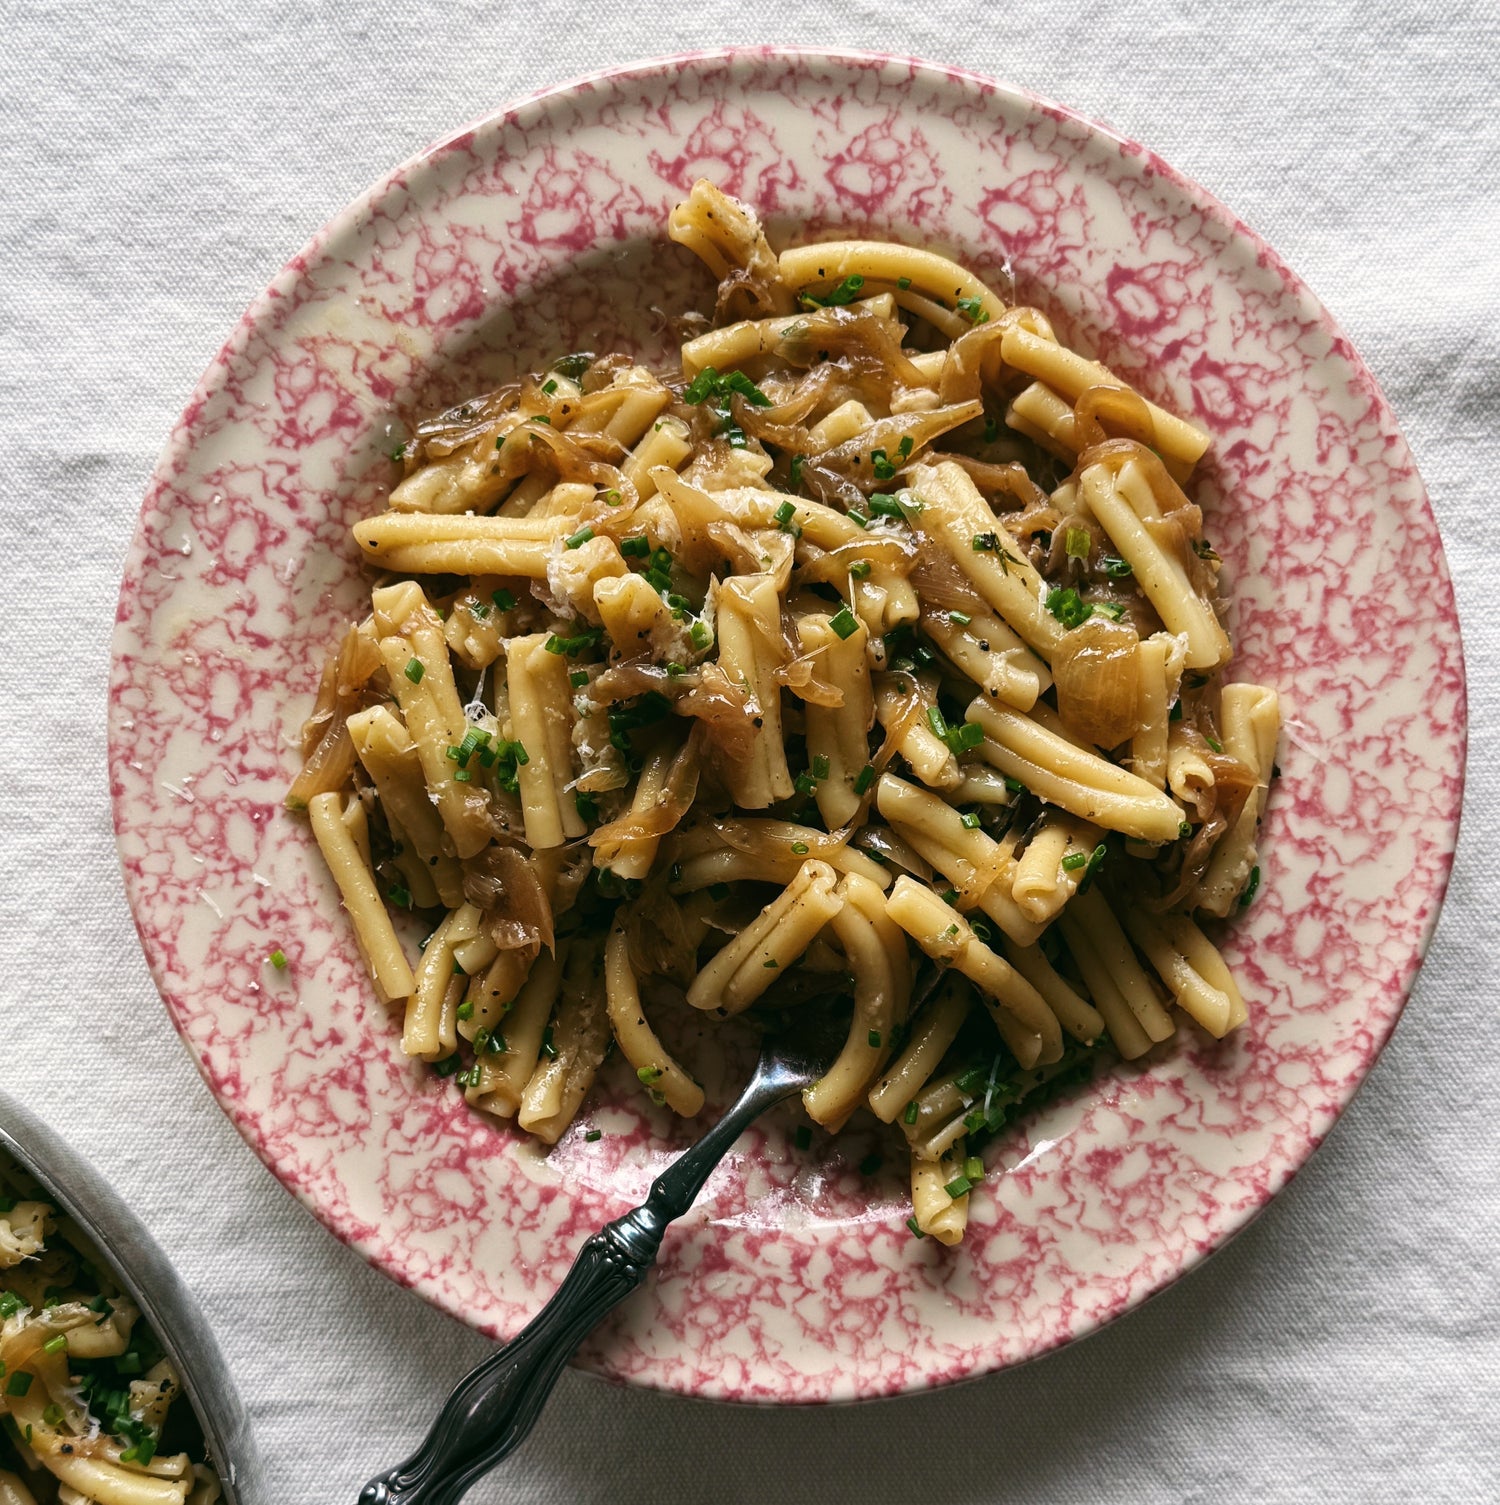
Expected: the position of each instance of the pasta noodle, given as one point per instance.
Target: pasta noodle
(868, 662)
(86, 1385)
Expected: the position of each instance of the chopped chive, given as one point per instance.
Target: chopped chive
(463, 776)
(843, 294)
(503, 599)
(1116, 569)
(699, 635)
(915, 1226)
(973, 310)
(771, 965)
(1078, 543)
(587, 806)
(574, 644)
(709, 384)
(648, 1074)
(880, 463)
(19, 1383)
(805, 783)
(1251, 886)
(1096, 859)
(985, 543)
(52, 1414)
(820, 766)
(912, 1110)
(55, 1345)
(10, 1303)
(970, 822)
(950, 896)
(593, 1136)
(844, 622)
(1015, 786)
(549, 387)
(803, 1137)
(982, 930)
(784, 514)
(1074, 860)
(858, 518)
(540, 418)
(973, 1169)
(991, 428)
(466, 1009)
(399, 894)
(1111, 609)
(638, 547)
(578, 540)
(961, 617)
(1068, 607)
(448, 1065)
(578, 678)
(800, 848)
(415, 670)
(903, 283)
(874, 1039)
(1214, 743)
(864, 778)
(278, 959)
(860, 569)
(958, 1187)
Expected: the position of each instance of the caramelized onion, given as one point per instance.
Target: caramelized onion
(664, 934)
(941, 583)
(678, 792)
(507, 887)
(327, 748)
(868, 345)
(963, 367)
(1097, 672)
(852, 459)
(1123, 409)
(726, 710)
(1009, 480)
(1195, 860)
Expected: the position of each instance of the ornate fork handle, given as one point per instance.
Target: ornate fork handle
(496, 1404)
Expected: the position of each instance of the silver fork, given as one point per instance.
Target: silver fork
(496, 1404)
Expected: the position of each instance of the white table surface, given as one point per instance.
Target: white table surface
(162, 162)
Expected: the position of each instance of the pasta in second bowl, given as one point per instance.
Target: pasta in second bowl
(242, 576)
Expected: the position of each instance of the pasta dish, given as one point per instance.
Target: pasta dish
(873, 661)
(86, 1392)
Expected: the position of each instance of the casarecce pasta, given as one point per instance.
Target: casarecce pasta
(85, 1389)
(878, 641)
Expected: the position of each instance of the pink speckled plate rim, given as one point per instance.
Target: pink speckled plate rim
(183, 440)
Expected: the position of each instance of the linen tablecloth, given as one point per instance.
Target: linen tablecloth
(161, 164)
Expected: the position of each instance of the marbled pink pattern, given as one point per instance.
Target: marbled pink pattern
(539, 230)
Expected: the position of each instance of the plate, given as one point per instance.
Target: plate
(539, 230)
